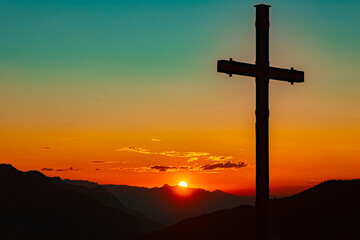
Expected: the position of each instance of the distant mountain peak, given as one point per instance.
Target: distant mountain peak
(9, 167)
(218, 191)
(41, 205)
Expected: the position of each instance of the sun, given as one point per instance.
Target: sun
(182, 184)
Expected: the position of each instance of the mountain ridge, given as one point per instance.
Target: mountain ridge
(32, 206)
(329, 210)
(170, 204)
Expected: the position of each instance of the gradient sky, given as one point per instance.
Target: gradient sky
(115, 91)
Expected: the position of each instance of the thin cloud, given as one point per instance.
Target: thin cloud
(134, 149)
(155, 140)
(209, 168)
(226, 165)
(132, 169)
(184, 167)
(163, 168)
(183, 154)
(61, 169)
(102, 162)
(219, 162)
(47, 169)
(220, 158)
(98, 162)
(193, 159)
(169, 168)
(138, 169)
(164, 153)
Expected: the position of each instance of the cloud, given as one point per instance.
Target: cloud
(169, 168)
(138, 169)
(226, 165)
(154, 168)
(68, 169)
(219, 158)
(97, 162)
(163, 168)
(183, 154)
(47, 169)
(192, 159)
(209, 168)
(102, 162)
(184, 167)
(155, 140)
(134, 149)
(219, 162)
(61, 169)
(165, 153)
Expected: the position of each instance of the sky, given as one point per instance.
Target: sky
(126, 92)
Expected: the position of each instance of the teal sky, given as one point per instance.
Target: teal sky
(106, 53)
(163, 37)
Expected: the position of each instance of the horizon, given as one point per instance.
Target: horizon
(126, 92)
(281, 192)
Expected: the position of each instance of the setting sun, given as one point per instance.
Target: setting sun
(182, 184)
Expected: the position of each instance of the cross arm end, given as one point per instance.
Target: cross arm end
(289, 75)
(231, 67)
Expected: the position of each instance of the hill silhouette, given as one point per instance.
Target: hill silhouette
(102, 195)
(170, 204)
(330, 210)
(33, 206)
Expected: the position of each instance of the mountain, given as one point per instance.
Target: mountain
(103, 196)
(170, 204)
(33, 206)
(330, 211)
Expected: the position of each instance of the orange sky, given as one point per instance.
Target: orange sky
(127, 157)
(114, 94)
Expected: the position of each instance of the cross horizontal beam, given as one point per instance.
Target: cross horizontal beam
(289, 75)
(252, 70)
(231, 67)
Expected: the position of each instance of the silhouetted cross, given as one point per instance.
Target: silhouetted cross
(262, 72)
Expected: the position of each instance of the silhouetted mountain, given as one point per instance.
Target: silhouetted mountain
(33, 206)
(330, 211)
(170, 204)
(99, 193)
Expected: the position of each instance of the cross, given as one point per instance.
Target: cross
(262, 73)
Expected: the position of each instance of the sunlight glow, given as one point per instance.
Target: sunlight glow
(182, 184)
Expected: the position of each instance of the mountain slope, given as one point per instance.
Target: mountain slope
(32, 206)
(170, 204)
(100, 194)
(330, 210)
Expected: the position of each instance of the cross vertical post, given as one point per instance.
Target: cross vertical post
(262, 121)
(262, 71)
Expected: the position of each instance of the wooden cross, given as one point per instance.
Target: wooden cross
(262, 73)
